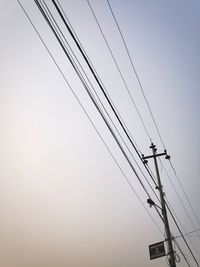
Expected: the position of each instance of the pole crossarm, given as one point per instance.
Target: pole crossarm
(157, 155)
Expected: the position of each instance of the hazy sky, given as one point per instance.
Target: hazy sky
(64, 201)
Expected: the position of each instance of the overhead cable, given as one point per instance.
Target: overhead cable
(181, 201)
(180, 223)
(60, 33)
(60, 12)
(147, 102)
(119, 71)
(193, 256)
(87, 115)
(90, 62)
(62, 17)
(136, 74)
(182, 188)
(91, 96)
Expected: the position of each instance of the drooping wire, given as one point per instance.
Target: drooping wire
(181, 201)
(88, 59)
(182, 188)
(178, 221)
(113, 109)
(60, 12)
(81, 49)
(191, 232)
(87, 115)
(64, 14)
(136, 74)
(119, 71)
(61, 35)
(182, 235)
(93, 100)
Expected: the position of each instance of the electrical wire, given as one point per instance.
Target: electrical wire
(94, 102)
(119, 71)
(101, 101)
(182, 188)
(121, 148)
(183, 236)
(191, 232)
(147, 102)
(136, 74)
(185, 233)
(59, 32)
(113, 109)
(87, 115)
(81, 46)
(93, 72)
(187, 213)
(142, 90)
(60, 12)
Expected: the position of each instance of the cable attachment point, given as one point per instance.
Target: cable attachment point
(167, 156)
(144, 160)
(177, 257)
(150, 202)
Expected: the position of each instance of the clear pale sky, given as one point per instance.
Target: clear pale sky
(64, 201)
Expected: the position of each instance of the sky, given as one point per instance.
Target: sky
(64, 200)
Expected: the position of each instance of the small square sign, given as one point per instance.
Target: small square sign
(157, 250)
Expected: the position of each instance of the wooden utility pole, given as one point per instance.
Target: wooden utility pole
(172, 261)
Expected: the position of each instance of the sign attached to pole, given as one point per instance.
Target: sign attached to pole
(157, 250)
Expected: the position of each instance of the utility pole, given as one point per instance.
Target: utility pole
(172, 261)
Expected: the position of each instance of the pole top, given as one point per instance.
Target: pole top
(152, 145)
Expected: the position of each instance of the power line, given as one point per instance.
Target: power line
(108, 100)
(52, 20)
(151, 113)
(185, 233)
(85, 88)
(104, 88)
(59, 12)
(183, 236)
(87, 115)
(136, 74)
(98, 82)
(91, 96)
(191, 232)
(187, 198)
(119, 71)
(75, 37)
(181, 201)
